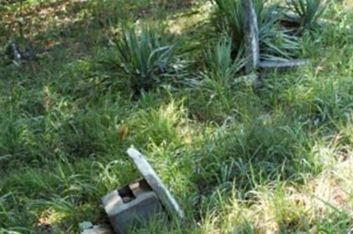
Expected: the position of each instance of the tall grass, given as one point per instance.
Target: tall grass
(218, 80)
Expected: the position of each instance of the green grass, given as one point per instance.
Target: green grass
(238, 158)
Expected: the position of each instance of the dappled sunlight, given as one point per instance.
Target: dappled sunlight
(333, 189)
(348, 3)
(39, 18)
(49, 221)
(162, 126)
(325, 155)
(179, 23)
(281, 206)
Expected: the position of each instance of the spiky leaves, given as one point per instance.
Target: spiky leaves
(274, 40)
(219, 78)
(309, 11)
(146, 57)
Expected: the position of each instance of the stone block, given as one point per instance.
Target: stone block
(131, 206)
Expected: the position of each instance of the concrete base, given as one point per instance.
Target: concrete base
(132, 205)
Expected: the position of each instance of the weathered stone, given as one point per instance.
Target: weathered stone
(85, 225)
(97, 229)
(282, 64)
(251, 36)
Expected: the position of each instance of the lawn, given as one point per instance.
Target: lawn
(274, 156)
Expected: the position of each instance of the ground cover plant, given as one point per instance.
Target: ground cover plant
(275, 157)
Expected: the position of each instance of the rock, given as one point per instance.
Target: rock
(85, 225)
(97, 229)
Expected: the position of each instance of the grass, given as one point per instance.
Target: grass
(238, 158)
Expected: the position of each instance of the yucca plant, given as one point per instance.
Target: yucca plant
(309, 11)
(274, 40)
(146, 57)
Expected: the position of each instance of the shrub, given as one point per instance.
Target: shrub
(146, 57)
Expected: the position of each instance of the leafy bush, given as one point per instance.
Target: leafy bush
(274, 40)
(309, 11)
(146, 57)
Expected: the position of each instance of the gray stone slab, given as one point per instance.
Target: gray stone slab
(251, 36)
(282, 64)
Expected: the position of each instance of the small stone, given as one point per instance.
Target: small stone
(85, 225)
(97, 229)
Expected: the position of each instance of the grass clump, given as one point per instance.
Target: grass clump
(146, 57)
(219, 62)
(218, 80)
